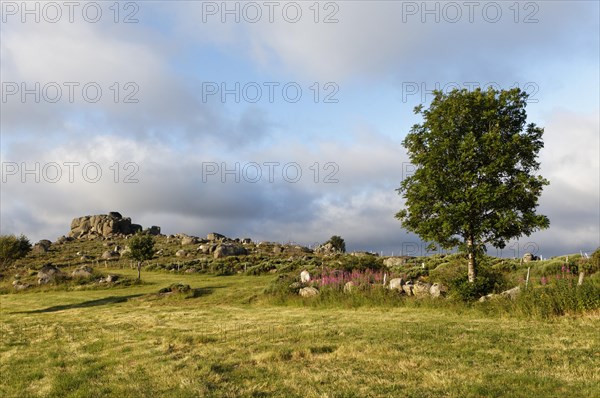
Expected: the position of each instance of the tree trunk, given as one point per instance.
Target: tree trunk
(139, 267)
(471, 264)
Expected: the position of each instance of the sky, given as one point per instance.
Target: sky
(279, 121)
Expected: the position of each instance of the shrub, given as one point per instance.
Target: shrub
(487, 281)
(13, 248)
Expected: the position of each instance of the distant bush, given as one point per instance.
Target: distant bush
(13, 248)
(488, 281)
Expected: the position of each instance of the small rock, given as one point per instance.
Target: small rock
(436, 290)
(82, 272)
(110, 255)
(396, 284)
(308, 292)
(181, 253)
(511, 293)
(408, 289)
(304, 276)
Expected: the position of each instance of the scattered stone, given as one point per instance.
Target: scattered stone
(110, 255)
(304, 276)
(421, 289)
(246, 241)
(189, 240)
(396, 284)
(326, 248)
(48, 273)
(308, 292)
(181, 253)
(511, 293)
(229, 249)
(396, 261)
(82, 272)
(18, 285)
(153, 230)
(527, 257)
(408, 288)
(109, 279)
(437, 290)
(215, 236)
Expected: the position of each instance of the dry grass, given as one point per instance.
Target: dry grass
(231, 342)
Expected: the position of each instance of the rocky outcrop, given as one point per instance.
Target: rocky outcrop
(104, 225)
(229, 249)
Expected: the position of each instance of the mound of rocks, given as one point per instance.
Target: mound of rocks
(106, 225)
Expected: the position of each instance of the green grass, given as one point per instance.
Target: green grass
(231, 340)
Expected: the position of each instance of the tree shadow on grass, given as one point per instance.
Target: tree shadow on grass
(85, 304)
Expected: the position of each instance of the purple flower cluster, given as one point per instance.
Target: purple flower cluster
(338, 278)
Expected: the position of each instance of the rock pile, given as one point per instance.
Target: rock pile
(105, 226)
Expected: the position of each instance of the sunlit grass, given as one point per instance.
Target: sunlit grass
(233, 341)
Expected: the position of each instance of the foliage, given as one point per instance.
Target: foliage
(474, 175)
(338, 243)
(13, 248)
(141, 246)
(593, 264)
(488, 281)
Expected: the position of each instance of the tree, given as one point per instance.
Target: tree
(338, 243)
(142, 249)
(475, 161)
(13, 248)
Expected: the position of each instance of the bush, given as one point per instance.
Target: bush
(13, 248)
(560, 298)
(488, 281)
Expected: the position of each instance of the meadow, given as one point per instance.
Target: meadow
(229, 339)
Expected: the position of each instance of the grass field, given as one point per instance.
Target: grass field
(232, 341)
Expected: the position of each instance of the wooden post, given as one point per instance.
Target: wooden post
(527, 279)
(581, 275)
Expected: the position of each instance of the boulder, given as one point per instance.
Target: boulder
(396, 261)
(408, 288)
(102, 226)
(110, 255)
(396, 284)
(229, 249)
(48, 273)
(304, 276)
(511, 293)
(436, 290)
(527, 257)
(181, 253)
(308, 292)
(326, 248)
(215, 236)
(18, 285)
(246, 241)
(421, 289)
(82, 272)
(153, 230)
(189, 240)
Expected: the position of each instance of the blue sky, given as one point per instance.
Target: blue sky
(375, 61)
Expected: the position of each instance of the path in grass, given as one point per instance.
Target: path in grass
(230, 342)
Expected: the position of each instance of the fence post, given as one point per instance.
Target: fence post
(527, 279)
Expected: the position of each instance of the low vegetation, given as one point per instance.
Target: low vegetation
(196, 325)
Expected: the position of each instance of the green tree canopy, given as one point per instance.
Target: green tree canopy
(142, 249)
(475, 181)
(13, 248)
(338, 243)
